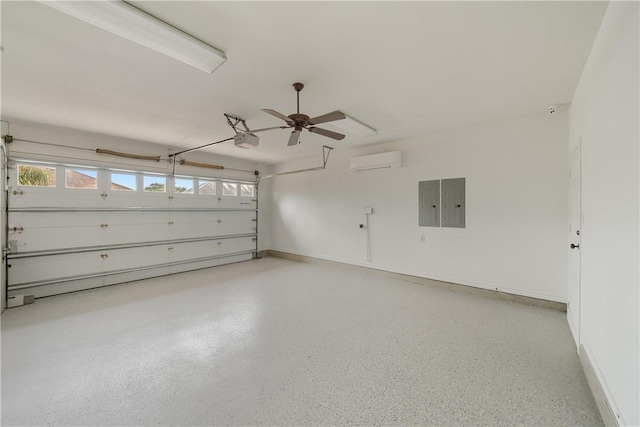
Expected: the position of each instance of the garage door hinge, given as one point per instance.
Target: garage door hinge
(6, 251)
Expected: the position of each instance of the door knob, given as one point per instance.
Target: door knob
(575, 246)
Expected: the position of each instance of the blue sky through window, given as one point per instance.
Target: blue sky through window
(120, 180)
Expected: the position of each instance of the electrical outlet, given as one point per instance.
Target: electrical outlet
(422, 240)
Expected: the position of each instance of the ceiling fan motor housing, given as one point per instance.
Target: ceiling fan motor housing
(299, 120)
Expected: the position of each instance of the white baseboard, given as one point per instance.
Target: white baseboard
(455, 280)
(605, 406)
(436, 282)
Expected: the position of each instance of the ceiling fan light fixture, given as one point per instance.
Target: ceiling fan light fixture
(354, 127)
(127, 21)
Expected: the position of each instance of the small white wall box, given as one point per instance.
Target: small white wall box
(245, 140)
(368, 211)
(391, 159)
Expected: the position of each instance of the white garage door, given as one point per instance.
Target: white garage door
(76, 227)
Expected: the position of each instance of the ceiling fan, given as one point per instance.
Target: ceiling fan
(299, 121)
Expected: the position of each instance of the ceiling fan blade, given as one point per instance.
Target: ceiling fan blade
(294, 138)
(329, 117)
(278, 115)
(328, 133)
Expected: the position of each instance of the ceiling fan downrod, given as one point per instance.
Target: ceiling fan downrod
(298, 87)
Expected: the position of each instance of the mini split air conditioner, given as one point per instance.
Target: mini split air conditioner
(391, 159)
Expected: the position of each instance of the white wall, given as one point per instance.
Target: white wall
(516, 203)
(605, 118)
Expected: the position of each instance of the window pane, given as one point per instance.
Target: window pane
(81, 178)
(207, 188)
(155, 184)
(247, 190)
(184, 186)
(229, 189)
(37, 176)
(123, 181)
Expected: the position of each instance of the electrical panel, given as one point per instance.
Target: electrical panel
(429, 203)
(453, 202)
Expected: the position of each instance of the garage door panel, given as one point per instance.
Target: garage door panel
(132, 276)
(135, 233)
(137, 199)
(54, 238)
(237, 223)
(194, 250)
(54, 267)
(122, 199)
(43, 231)
(56, 219)
(235, 258)
(190, 266)
(130, 258)
(240, 244)
(59, 288)
(190, 201)
(29, 197)
(135, 226)
(236, 203)
(194, 224)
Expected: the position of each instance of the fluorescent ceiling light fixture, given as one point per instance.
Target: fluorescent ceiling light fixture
(133, 24)
(354, 127)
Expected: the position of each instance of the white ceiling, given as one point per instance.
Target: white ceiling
(404, 68)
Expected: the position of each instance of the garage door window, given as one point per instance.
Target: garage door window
(37, 176)
(81, 178)
(123, 181)
(155, 184)
(229, 189)
(247, 190)
(183, 186)
(207, 188)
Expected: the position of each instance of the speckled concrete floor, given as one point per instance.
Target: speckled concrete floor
(274, 342)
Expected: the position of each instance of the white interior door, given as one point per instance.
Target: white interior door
(573, 309)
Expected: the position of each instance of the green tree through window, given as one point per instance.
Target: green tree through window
(155, 186)
(35, 176)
